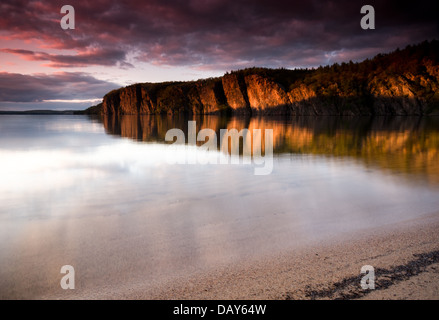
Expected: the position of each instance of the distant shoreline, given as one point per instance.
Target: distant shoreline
(42, 112)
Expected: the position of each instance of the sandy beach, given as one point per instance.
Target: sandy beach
(405, 257)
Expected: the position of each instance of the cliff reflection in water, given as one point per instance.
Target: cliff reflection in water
(406, 145)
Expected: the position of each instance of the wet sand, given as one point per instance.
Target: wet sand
(405, 257)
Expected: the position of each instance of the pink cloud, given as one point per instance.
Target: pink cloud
(210, 34)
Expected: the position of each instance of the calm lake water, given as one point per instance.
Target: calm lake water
(102, 196)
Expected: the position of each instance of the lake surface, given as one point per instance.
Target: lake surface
(101, 194)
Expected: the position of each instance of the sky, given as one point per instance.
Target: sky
(117, 43)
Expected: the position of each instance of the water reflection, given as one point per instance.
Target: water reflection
(125, 218)
(405, 145)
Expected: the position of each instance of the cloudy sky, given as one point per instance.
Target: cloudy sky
(116, 43)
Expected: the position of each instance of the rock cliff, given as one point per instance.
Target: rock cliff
(405, 82)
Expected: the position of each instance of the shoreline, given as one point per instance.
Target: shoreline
(405, 258)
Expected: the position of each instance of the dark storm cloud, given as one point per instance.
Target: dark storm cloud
(15, 87)
(96, 57)
(218, 34)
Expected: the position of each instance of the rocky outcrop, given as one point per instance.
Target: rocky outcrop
(211, 97)
(399, 83)
(201, 97)
(305, 101)
(266, 96)
(235, 92)
(394, 96)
